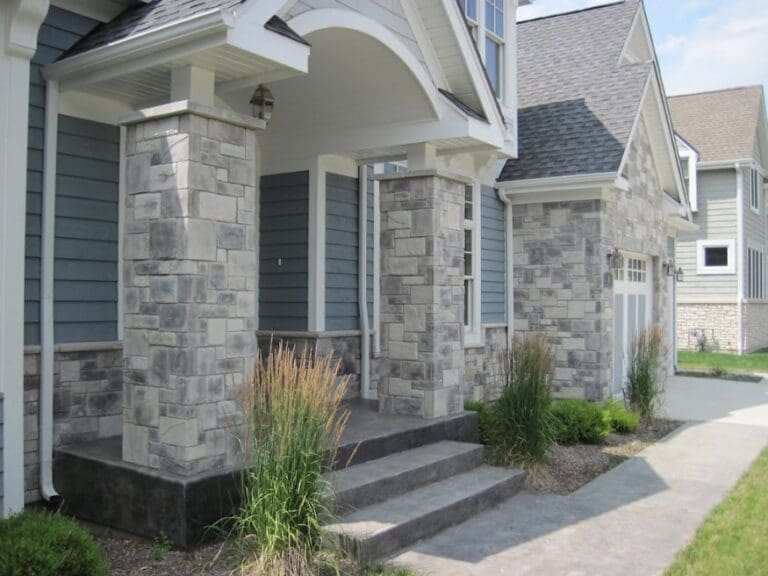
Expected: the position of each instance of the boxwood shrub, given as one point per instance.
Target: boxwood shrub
(45, 544)
(580, 422)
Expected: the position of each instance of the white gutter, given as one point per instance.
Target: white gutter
(740, 257)
(47, 491)
(362, 287)
(561, 183)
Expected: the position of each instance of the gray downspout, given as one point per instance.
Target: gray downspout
(362, 275)
(47, 491)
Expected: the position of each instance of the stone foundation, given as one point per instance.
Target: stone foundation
(345, 346)
(718, 321)
(87, 401)
(755, 326)
(484, 368)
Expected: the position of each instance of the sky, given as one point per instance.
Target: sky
(701, 44)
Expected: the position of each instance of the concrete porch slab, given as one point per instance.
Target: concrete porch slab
(97, 485)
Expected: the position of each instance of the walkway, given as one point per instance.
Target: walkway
(630, 521)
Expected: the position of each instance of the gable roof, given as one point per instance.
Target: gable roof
(144, 18)
(578, 99)
(722, 125)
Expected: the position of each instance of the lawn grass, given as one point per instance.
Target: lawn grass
(755, 362)
(732, 539)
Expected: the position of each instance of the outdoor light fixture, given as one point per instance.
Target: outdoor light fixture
(263, 103)
(669, 268)
(615, 259)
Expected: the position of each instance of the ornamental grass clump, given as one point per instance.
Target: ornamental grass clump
(644, 387)
(293, 407)
(521, 428)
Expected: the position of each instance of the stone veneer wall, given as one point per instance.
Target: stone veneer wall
(755, 326)
(562, 284)
(344, 346)
(717, 320)
(422, 296)
(87, 400)
(483, 368)
(189, 285)
(633, 220)
(558, 280)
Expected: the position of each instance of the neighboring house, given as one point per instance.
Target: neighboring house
(723, 143)
(200, 180)
(595, 196)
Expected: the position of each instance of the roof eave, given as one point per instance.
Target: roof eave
(562, 183)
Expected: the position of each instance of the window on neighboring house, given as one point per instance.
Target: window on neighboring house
(688, 165)
(469, 280)
(754, 190)
(755, 278)
(469, 7)
(715, 257)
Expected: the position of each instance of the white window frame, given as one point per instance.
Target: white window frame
(472, 328)
(702, 245)
(480, 33)
(693, 184)
(755, 273)
(754, 190)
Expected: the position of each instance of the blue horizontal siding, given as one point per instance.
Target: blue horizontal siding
(86, 231)
(493, 257)
(341, 252)
(283, 251)
(59, 32)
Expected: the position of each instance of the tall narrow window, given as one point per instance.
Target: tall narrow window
(755, 278)
(494, 42)
(755, 182)
(469, 284)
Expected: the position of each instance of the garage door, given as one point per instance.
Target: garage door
(631, 311)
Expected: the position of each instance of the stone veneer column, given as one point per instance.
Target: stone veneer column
(422, 291)
(189, 287)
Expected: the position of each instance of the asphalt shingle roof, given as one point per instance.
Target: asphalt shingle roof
(146, 17)
(577, 103)
(721, 125)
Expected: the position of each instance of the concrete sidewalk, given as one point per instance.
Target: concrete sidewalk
(630, 521)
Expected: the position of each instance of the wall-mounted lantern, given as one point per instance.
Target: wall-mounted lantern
(263, 103)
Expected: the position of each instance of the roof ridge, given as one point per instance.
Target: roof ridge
(716, 91)
(577, 11)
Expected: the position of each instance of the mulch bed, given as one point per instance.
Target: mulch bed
(132, 556)
(568, 468)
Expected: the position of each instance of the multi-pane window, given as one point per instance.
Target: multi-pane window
(487, 27)
(469, 219)
(636, 270)
(494, 42)
(469, 7)
(755, 182)
(755, 278)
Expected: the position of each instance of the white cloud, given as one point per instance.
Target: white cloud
(547, 7)
(728, 46)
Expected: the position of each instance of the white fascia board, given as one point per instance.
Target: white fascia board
(271, 46)
(677, 223)
(562, 183)
(723, 164)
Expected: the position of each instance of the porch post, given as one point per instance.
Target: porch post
(19, 24)
(422, 295)
(189, 284)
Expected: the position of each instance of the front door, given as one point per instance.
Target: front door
(631, 312)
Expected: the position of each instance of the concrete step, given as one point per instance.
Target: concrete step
(383, 528)
(377, 480)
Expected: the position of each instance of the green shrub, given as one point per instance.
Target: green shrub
(45, 544)
(718, 371)
(580, 422)
(486, 418)
(622, 420)
(643, 392)
(293, 407)
(520, 427)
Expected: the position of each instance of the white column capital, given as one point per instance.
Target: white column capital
(23, 18)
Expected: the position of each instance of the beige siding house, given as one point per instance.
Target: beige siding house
(723, 302)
